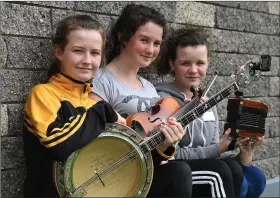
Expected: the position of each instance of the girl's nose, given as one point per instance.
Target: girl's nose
(150, 49)
(193, 68)
(86, 59)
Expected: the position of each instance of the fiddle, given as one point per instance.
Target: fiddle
(157, 115)
(164, 108)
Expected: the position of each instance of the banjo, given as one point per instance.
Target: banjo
(119, 163)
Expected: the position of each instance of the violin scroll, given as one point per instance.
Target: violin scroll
(197, 91)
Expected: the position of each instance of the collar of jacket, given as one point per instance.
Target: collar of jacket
(68, 83)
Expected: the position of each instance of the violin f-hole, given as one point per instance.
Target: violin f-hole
(152, 121)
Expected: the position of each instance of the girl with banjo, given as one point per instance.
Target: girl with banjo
(59, 118)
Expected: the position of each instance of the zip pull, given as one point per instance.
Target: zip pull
(85, 87)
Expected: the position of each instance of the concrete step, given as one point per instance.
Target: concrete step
(272, 188)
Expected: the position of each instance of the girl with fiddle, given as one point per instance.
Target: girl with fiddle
(59, 116)
(187, 56)
(134, 43)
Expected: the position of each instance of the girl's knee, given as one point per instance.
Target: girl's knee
(181, 173)
(181, 167)
(253, 173)
(235, 168)
(253, 169)
(256, 180)
(220, 167)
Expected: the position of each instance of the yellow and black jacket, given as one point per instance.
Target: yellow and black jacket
(59, 118)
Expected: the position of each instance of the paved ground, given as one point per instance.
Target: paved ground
(272, 188)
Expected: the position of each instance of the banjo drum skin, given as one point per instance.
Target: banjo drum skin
(246, 118)
(112, 165)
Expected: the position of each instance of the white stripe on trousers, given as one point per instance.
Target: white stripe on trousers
(203, 177)
(206, 182)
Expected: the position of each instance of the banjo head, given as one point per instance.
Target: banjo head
(112, 165)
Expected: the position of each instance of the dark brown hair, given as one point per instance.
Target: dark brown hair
(182, 37)
(131, 18)
(68, 24)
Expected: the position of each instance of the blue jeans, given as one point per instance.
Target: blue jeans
(253, 183)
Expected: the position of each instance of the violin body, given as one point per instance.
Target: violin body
(163, 109)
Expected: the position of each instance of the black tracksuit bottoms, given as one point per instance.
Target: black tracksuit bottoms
(171, 180)
(216, 177)
(200, 178)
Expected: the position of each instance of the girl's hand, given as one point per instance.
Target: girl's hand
(121, 120)
(226, 140)
(247, 150)
(187, 100)
(202, 100)
(173, 132)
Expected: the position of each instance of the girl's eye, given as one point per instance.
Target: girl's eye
(95, 53)
(157, 44)
(186, 64)
(200, 63)
(144, 41)
(77, 51)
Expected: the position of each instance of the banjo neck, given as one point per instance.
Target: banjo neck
(158, 138)
(198, 111)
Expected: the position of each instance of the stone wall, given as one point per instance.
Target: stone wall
(241, 31)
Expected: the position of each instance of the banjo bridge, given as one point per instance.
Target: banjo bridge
(99, 178)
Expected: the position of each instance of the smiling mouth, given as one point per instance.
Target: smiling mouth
(146, 56)
(89, 69)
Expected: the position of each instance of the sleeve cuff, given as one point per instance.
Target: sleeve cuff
(216, 150)
(168, 153)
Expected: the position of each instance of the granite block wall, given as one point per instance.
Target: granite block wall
(240, 31)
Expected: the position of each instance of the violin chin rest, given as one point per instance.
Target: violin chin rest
(138, 128)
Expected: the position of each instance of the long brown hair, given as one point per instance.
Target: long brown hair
(68, 24)
(131, 18)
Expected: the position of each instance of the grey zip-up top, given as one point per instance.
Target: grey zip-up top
(202, 136)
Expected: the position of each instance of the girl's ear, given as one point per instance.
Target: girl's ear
(171, 64)
(58, 52)
(119, 35)
(208, 60)
(123, 43)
